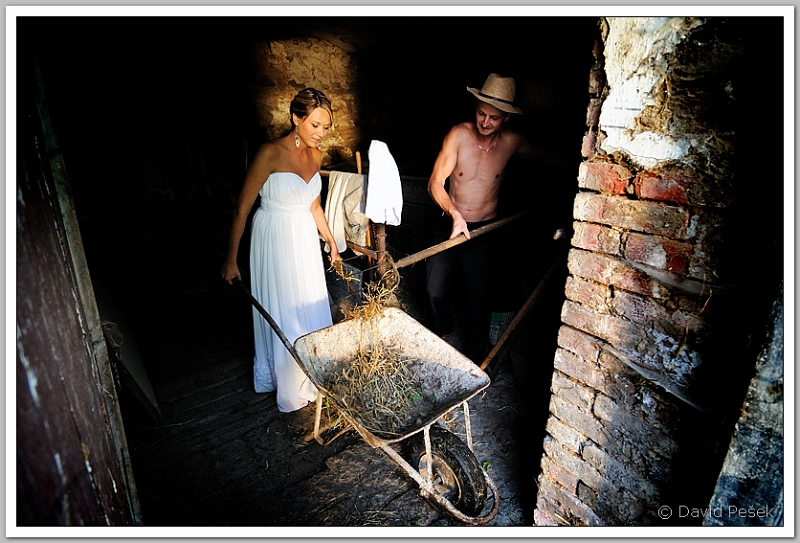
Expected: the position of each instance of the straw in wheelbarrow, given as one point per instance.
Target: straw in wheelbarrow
(379, 390)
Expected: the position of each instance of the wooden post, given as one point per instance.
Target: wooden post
(380, 247)
(376, 235)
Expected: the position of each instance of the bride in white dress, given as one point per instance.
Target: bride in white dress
(286, 264)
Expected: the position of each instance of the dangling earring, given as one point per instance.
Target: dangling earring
(296, 139)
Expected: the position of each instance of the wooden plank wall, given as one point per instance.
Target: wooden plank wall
(69, 462)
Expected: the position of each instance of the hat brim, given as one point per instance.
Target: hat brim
(502, 106)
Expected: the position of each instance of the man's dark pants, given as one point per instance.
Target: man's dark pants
(473, 258)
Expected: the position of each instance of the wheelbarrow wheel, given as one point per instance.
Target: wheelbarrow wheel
(457, 475)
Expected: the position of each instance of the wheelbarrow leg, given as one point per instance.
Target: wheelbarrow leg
(468, 426)
(317, 418)
(317, 433)
(426, 433)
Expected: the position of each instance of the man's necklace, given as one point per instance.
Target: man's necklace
(494, 144)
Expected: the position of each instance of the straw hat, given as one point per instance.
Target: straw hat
(499, 92)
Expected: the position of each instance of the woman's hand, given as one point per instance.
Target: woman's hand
(230, 271)
(334, 254)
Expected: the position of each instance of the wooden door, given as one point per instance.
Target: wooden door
(72, 465)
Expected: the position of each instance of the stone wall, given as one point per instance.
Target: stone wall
(746, 493)
(644, 381)
(284, 67)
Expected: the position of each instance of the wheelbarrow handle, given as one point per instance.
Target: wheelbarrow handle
(269, 319)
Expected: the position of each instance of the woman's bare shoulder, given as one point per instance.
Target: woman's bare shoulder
(317, 154)
(272, 147)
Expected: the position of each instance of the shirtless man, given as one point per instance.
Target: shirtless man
(473, 157)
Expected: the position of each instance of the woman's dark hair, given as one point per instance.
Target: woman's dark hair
(306, 101)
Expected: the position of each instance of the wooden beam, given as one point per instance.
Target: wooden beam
(363, 250)
(438, 248)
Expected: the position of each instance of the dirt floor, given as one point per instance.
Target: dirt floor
(221, 455)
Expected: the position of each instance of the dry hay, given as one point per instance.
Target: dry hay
(375, 296)
(338, 267)
(377, 388)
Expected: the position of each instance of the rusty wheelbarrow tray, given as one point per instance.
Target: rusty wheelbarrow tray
(447, 377)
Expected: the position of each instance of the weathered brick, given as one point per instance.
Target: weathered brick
(588, 143)
(649, 312)
(609, 494)
(572, 391)
(580, 343)
(604, 177)
(639, 309)
(576, 366)
(658, 252)
(548, 487)
(615, 330)
(574, 464)
(586, 292)
(713, 233)
(586, 494)
(621, 475)
(652, 436)
(637, 215)
(542, 515)
(620, 507)
(596, 237)
(581, 421)
(593, 113)
(545, 502)
(576, 508)
(612, 384)
(560, 501)
(566, 436)
(611, 271)
(670, 361)
(568, 500)
(563, 477)
(655, 404)
(617, 440)
(664, 186)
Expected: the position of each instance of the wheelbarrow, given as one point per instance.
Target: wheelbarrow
(445, 468)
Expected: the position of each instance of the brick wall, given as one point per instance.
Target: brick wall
(636, 421)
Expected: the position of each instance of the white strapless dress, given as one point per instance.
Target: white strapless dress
(288, 279)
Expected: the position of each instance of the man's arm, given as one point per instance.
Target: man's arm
(442, 168)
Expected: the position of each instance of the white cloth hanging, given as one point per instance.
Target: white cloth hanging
(384, 190)
(344, 209)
